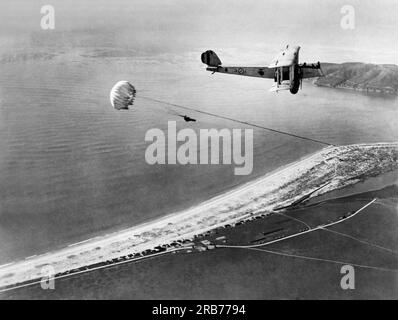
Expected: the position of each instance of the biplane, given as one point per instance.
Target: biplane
(285, 69)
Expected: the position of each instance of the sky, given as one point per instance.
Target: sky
(235, 26)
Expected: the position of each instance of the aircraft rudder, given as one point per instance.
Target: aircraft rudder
(210, 58)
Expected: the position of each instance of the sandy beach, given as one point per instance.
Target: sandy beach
(334, 167)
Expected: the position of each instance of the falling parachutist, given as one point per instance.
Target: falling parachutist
(186, 118)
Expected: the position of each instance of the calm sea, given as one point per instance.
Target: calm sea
(72, 168)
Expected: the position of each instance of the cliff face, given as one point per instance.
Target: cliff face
(360, 76)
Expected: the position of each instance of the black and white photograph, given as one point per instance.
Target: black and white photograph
(198, 150)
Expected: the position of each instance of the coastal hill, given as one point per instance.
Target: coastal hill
(382, 78)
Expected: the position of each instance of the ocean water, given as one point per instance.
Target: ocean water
(72, 168)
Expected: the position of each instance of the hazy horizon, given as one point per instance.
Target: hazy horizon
(257, 27)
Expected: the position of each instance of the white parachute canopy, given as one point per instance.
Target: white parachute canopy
(122, 95)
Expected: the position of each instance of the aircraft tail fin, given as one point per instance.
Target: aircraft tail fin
(210, 58)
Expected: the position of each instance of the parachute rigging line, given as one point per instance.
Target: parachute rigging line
(237, 121)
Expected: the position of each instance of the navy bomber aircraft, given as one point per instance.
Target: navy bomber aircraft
(285, 69)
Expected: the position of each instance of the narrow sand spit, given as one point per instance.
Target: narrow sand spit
(332, 167)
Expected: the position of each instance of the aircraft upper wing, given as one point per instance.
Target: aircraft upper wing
(214, 65)
(286, 57)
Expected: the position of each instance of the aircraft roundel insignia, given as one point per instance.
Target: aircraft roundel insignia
(241, 70)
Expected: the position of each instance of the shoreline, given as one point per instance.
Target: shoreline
(373, 92)
(170, 216)
(261, 195)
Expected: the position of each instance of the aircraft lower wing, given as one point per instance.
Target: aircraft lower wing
(307, 71)
(260, 72)
(214, 65)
